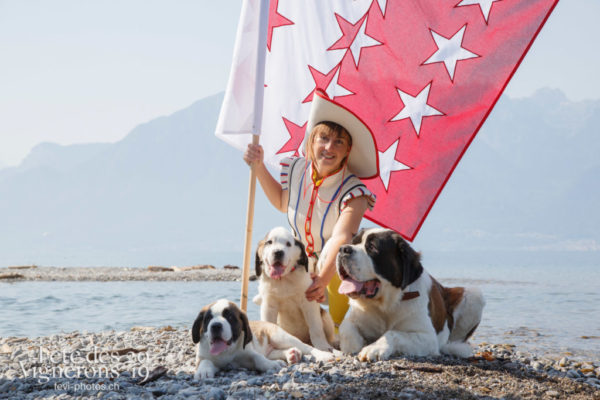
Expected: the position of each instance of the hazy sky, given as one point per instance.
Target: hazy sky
(76, 71)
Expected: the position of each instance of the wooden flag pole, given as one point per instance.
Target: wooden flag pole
(261, 53)
(248, 235)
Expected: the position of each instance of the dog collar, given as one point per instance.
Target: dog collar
(410, 295)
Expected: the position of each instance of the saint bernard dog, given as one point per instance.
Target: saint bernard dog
(396, 307)
(226, 339)
(284, 275)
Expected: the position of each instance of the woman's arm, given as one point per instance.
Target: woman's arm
(277, 196)
(346, 226)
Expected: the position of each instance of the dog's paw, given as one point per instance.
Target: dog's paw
(206, 369)
(320, 355)
(337, 353)
(375, 352)
(202, 373)
(293, 355)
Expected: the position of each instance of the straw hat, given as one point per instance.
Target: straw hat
(363, 157)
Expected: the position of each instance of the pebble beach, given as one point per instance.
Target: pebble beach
(149, 363)
(159, 362)
(109, 274)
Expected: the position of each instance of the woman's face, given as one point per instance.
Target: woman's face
(329, 150)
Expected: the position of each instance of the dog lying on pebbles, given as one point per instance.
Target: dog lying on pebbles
(225, 338)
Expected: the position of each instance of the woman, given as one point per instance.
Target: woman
(322, 194)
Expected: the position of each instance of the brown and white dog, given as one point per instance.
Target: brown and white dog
(396, 307)
(283, 271)
(225, 338)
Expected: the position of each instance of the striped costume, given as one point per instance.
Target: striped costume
(314, 208)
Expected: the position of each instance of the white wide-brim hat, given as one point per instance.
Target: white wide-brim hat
(363, 158)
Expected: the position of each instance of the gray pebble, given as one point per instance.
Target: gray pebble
(215, 394)
(289, 385)
(572, 373)
(190, 391)
(510, 365)
(174, 388)
(5, 387)
(255, 381)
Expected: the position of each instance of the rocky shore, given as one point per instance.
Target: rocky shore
(105, 274)
(150, 363)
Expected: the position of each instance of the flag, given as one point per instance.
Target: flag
(422, 74)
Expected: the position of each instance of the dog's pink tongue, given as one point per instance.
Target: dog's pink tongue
(276, 271)
(349, 285)
(217, 347)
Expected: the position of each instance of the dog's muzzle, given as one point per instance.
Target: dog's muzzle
(217, 343)
(350, 286)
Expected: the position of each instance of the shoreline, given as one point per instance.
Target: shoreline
(110, 365)
(109, 274)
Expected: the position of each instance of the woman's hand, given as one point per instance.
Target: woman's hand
(348, 222)
(254, 154)
(316, 291)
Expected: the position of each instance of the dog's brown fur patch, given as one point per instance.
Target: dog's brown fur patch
(437, 306)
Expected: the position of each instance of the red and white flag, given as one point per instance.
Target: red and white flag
(422, 74)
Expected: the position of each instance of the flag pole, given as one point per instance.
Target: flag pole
(256, 128)
(248, 234)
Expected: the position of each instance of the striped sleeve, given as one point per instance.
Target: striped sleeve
(358, 191)
(285, 164)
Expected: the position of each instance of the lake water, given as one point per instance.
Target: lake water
(543, 309)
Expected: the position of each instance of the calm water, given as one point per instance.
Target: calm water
(546, 310)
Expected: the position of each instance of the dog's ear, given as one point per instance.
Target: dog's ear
(246, 329)
(303, 260)
(357, 239)
(410, 262)
(258, 258)
(198, 327)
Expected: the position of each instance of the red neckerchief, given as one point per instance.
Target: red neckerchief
(316, 184)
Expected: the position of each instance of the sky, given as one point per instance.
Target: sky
(77, 71)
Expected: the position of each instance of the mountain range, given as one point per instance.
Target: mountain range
(171, 193)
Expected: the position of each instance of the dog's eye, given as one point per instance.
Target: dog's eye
(269, 242)
(370, 247)
(288, 244)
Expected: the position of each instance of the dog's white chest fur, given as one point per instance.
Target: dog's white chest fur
(282, 267)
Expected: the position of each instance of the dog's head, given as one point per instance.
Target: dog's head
(221, 324)
(279, 253)
(373, 256)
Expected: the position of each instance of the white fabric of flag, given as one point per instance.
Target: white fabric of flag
(286, 73)
(241, 112)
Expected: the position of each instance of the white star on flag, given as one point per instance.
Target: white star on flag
(484, 5)
(361, 40)
(450, 51)
(416, 108)
(335, 89)
(382, 4)
(389, 164)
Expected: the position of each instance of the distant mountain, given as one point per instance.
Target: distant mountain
(172, 193)
(529, 179)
